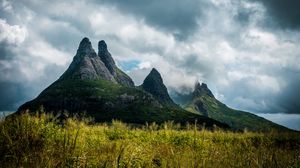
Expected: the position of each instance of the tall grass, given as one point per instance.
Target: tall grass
(43, 141)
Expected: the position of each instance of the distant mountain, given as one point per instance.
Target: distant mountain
(202, 101)
(94, 85)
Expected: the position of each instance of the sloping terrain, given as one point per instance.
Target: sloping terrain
(94, 85)
(202, 101)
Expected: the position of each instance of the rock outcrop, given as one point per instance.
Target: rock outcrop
(153, 84)
(87, 65)
(109, 62)
(202, 89)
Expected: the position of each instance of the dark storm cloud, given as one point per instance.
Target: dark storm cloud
(243, 15)
(289, 98)
(178, 17)
(283, 13)
(194, 64)
(5, 51)
(11, 95)
(187, 40)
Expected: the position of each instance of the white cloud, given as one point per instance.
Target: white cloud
(129, 30)
(14, 34)
(145, 64)
(49, 54)
(225, 52)
(258, 39)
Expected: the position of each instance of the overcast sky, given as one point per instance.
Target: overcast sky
(247, 51)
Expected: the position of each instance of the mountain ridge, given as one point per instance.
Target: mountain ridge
(94, 85)
(202, 101)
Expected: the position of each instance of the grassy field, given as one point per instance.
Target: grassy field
(42, 141)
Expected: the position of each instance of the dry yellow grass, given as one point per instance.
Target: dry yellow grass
(41, 141)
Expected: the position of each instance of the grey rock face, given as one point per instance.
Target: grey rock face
(87, 65)
(109, 62)
(85, 48)
(106, 57)
(123, 78)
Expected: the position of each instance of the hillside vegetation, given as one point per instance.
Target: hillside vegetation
(43, 141)
(202, 101)
(95, 85)
(236, 119)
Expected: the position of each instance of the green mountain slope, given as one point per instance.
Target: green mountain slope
(94, 85)
(202, 101)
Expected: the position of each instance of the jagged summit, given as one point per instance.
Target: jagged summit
(202, 89)
(106, 57)
(110, 64)
(87, 64)
(102, 47)
(153, 84)
(85, 46)
(154, 76)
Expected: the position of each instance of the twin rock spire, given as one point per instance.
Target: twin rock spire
(87, 64)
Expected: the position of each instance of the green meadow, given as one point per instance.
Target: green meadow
(43, 141)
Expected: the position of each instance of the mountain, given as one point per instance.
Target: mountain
(94, 85)
(202, 101)
(87, 65)
(153, 84)
(105, 56)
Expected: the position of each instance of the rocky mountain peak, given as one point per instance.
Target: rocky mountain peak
(153, 84)
(202, 89)
(87, 64)
(110, 64)
(106, 57)
(154, 74)
(102, 47)
(85, 47)
(197, 86)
